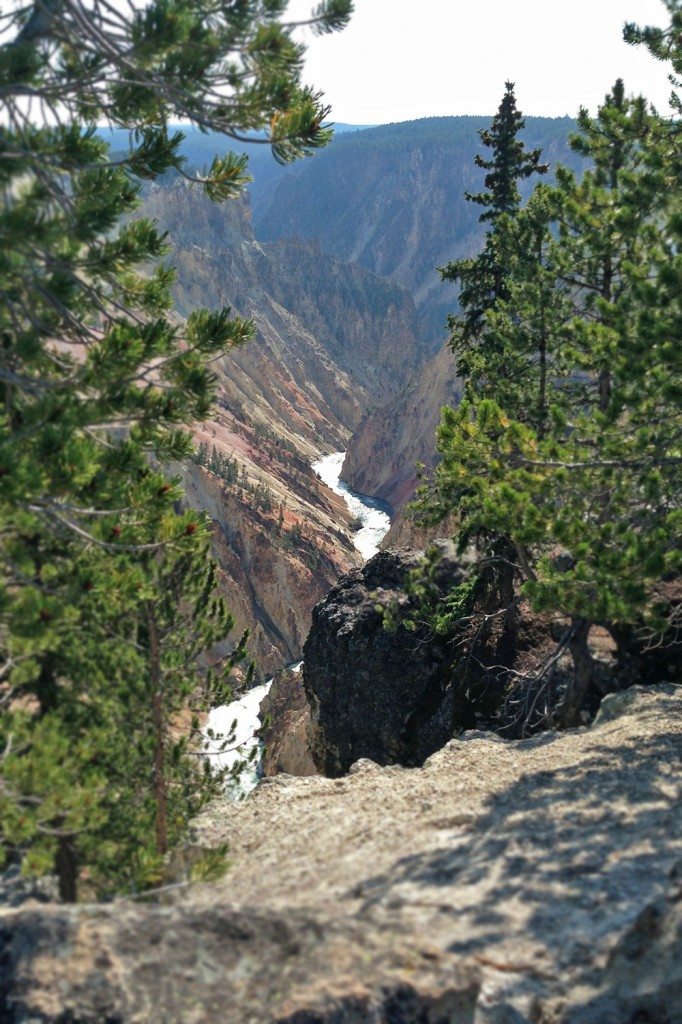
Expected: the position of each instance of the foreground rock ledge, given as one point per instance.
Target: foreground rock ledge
(502, 882)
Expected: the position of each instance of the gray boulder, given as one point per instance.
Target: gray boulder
(642, 981)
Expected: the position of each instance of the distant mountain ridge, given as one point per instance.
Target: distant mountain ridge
(201, 147)
(391, 198)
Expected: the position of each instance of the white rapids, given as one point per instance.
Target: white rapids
(373, 513)
(242, 714)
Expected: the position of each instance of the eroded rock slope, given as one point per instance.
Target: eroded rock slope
(390, 441)
(332, 342)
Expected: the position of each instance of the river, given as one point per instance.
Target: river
(375, 515)
(242, 714)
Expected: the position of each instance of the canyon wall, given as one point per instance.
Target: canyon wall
(391, 198)
(332, 341)
(389, 442)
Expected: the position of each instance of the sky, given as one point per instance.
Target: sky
(403, 59)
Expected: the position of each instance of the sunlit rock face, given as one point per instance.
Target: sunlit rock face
(503, 881)
(285, 715)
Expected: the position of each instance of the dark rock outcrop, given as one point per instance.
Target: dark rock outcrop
(374, 693)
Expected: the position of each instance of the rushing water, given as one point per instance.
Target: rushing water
(242, 715)
(375, 515)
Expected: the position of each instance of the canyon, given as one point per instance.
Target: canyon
(350, 350)
(396, 864)
(332, 342)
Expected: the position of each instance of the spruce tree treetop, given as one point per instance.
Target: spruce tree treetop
(482, 277)
(567, 451)
(510, 161)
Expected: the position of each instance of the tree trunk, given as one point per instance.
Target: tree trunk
(158, 724)
(46, 688)
(507, 572)
(66, 869)
(583, 674)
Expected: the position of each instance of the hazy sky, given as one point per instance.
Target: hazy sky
(403, 59)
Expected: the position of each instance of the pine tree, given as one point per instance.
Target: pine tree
(100, 386)
(482, 278)
(587, 496)
(482, 359)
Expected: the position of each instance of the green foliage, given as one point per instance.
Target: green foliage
(483, 278)
(510, 161)
(444, 614)
(664, 45)
(217, 462)
(108, 609)
(562, 465)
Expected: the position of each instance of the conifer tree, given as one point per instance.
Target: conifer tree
(482, 278)
(99, 386)
(510, 162)
(588, 496)
(482, 360)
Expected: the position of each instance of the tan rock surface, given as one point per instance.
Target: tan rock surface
(285, 713)
(492, 885)
(389, 442)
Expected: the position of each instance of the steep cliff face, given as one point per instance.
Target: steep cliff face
(285, 714)
(392, 199)
(319, 318)
(324, 354)
(275, 563)
(352, 241)
(384, 450)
